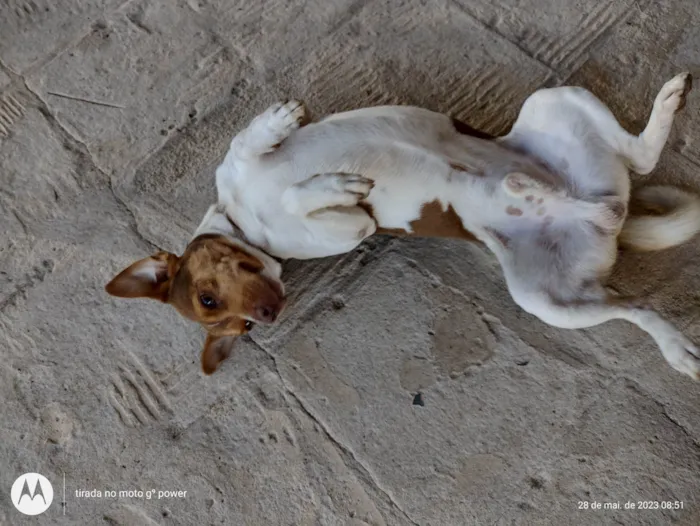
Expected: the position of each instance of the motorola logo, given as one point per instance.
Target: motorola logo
(32, 493)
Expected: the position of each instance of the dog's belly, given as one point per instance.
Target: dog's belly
(429, 180)
(417, 158)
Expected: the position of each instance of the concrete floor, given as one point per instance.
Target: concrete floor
(113, 116)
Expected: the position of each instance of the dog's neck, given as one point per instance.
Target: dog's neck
(237, 232)
(218, 221)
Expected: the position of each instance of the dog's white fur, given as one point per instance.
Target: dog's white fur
(549, 199)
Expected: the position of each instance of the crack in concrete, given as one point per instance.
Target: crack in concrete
(664, 412)
(20, 221)
(662, 408)
(81, 150)
(354, 463)
(502, 38)
(7, 70)
(153, 246)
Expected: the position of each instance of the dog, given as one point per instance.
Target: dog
(549, 199)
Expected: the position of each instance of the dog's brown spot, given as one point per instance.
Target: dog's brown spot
(465, 129)
(434, 221)
(529, 198)
(513, 211)
(541, 211)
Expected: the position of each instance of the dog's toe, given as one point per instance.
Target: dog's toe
(357, 184)
(287, 116)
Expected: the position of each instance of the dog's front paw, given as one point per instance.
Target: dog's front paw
(324, 191)
(285, 117)
(673, 93)
(353, 185)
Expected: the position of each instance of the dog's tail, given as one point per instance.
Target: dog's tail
(670, 216)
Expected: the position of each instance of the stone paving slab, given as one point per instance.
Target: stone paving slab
(136, 78)
(32, 32)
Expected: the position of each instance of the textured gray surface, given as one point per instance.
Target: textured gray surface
(113, 116)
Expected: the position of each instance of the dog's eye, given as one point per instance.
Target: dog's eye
(249, 325)
(207, 300)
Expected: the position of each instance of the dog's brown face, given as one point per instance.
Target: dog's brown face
(215, 283)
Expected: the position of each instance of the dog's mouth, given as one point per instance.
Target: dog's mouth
(222, 327)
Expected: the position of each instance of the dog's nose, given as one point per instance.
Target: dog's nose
(268, 312)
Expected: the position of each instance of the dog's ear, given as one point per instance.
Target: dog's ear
(147, 278)
(216, 350)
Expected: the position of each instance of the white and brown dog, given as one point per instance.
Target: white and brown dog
(550, 199)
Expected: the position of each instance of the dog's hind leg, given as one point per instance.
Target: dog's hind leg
(606, 212)
(679, 351)
(641, 153)
(268, 130)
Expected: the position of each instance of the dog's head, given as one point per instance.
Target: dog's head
(220, 282)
